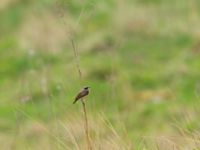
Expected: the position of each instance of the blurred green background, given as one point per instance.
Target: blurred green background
(140, 58)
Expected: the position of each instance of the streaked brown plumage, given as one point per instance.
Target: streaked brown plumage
(84, 92)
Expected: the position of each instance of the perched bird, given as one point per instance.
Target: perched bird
(84, 92)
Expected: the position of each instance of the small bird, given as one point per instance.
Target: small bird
(84, 92)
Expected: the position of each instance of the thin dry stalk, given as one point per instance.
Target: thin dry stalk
(86, 126)
(76, 59)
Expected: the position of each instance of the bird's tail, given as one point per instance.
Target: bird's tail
(74, 102)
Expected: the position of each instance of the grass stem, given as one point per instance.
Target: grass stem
(89, 146)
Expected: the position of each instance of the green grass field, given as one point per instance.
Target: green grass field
(141, 59)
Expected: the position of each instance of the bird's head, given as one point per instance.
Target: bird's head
(86, 88)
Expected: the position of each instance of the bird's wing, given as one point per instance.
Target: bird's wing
(81, 94)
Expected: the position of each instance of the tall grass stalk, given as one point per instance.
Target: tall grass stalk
(86, 126)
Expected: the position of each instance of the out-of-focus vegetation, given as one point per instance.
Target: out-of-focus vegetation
(140, 58)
